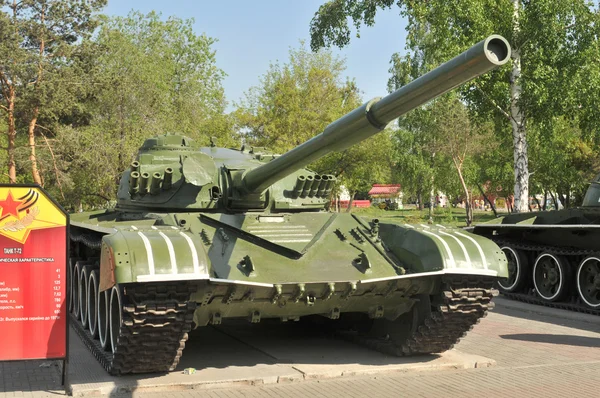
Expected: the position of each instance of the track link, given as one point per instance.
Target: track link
(461, 304)
(156, 322)
(530, 295)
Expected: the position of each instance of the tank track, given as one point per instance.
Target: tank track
(530, 296)
(156, 321)
(460, 306)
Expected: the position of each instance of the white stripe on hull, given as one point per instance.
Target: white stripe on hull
(171, 252)
(464, 249)
(481, 253)
(195, 261)
(170, 277)
(451, 261)
(148, 252)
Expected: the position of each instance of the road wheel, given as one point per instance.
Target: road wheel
(550, 276)
(103, 322)
(75, 289)
(518, 270)
(588, 281)
(92, 303)
(84, 277)
(115, 316)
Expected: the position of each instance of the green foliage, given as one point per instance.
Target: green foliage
(295, 101)
(557, 45)
(144, 76)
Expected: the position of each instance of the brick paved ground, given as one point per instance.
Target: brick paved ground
(538, 354)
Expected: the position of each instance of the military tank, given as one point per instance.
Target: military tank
(202, 235)
(553, 256)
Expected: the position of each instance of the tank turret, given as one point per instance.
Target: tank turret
(171, 172)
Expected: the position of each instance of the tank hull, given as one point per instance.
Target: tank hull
(553, 257)
(198, 269)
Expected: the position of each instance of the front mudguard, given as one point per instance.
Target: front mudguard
(424, 248)
(151, 255)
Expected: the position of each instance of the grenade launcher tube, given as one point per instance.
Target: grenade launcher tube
(373, 116)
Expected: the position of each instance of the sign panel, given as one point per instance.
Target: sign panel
(33, 275)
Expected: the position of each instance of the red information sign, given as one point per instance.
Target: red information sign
(33, 275)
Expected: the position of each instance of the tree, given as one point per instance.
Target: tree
(144, 76)
(552, 41)
(295, 101)
(37, 38)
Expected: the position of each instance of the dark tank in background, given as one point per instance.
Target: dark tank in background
(201, 235)
(553, 256)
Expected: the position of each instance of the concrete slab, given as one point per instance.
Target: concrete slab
(244, 354)
(317, 355)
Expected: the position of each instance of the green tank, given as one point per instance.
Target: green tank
(201, 235)
(553, 256)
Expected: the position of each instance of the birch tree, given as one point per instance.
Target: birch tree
(551, 39)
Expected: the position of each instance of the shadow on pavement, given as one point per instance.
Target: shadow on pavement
(553, 316)
(562, 339)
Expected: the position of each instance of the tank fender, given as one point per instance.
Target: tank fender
(151, 255)
(424, 248)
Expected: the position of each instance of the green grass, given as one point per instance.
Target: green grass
(446, 216)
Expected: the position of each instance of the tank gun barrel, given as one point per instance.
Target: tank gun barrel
(372, 117)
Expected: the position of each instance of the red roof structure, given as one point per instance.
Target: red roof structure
(385, 189)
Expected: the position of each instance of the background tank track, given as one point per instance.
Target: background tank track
(530, 295)
(463, 301)
(156, 320)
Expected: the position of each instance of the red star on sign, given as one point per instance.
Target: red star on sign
(10, 206)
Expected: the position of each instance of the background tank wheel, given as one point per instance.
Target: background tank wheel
(103, 300)
(588, 281)
(84, 277)
(518, 270)
(550, 276)
(92, 303)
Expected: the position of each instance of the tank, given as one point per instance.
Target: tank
(203, 235)
(553, 256)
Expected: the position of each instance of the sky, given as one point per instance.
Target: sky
(253, 34)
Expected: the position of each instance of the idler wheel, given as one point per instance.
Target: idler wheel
(92, 303)
(84, 277)
(588, 281)
(518, 270)
(115, 318)
(550, 276)
(103, 322)
(75, 289)
(406, 325)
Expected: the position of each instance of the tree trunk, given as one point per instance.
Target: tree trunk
(420, 200)
(492, 206)
(538, 202)
(517, 121)
(350, 202)
(554, 200)
(468, 207)
(545, 199)
(32, 156)
(12, 133)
